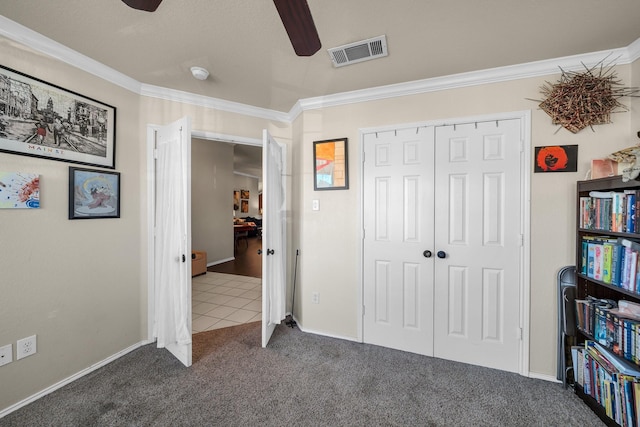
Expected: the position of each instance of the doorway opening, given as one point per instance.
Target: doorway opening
(229, 293)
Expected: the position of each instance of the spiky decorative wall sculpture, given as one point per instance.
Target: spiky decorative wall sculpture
(584, 99)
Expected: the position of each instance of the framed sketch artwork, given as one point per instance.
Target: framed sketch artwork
(40, 119)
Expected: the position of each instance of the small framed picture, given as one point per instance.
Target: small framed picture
(556, 158)
(236, 200)
(93, 194)
(330, 165)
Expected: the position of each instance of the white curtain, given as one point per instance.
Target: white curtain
(276, 221)
(171, 287)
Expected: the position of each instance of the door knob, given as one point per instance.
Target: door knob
(259, 251)
(427, 254)
(270, 251)
(442, 254)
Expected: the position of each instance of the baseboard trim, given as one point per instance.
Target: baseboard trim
(533, 375)
(324, 334)
(70, 379)
(220, 261)
(544, 377)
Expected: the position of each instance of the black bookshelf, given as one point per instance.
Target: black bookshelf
(588, 286)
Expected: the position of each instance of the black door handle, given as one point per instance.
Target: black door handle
(184, 258)
(270, 252)
(442, 254)
(259, 251)
(427, 254)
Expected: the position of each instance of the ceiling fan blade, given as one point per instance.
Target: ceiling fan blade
(297, 20)
(147, 5)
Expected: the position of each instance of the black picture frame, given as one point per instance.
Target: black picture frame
(331, 164)
(555, 158)
(93, 193)
(40, 119)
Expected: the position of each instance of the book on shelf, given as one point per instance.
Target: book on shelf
(577, 365)
(611, 382)
(614, 326)
(612, 261)
(610, 211)
(630, 217)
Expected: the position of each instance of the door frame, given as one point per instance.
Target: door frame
(151, 204)
(525, 219)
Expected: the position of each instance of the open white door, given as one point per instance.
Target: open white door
(274, 262)
(172, 246)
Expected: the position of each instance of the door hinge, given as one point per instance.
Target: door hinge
(364, 156)
(364, 309)
(155, 153)
(521, 240)
(519, 334)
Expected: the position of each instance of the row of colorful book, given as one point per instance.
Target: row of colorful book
(591, 317)
(615, 326)
(614, 384)
(610, 211)
(611, 260)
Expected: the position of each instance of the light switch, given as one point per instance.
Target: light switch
(316, 205)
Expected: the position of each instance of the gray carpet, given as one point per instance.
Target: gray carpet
(300, 380)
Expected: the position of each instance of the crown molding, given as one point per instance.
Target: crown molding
(493, 75)
(634, 51)
(19, 33)
(231, 139)
(214, 103)
(248, 175)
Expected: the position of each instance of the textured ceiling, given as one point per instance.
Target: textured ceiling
(251, 61)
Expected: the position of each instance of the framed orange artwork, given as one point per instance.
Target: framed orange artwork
(330, 166)
(556, 158)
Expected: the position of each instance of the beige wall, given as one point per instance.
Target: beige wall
(635, 103)
(331, 236)
(74, 284)
(212, 183)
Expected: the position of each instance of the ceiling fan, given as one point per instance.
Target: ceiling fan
(295, 15)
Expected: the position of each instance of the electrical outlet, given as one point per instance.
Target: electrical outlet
(315, 297)
(6, 354)
(26, 347)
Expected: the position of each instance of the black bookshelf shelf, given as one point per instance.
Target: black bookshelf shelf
(617, 289)
(595, 407)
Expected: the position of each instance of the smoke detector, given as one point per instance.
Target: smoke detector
(364, 50)
(199, 73)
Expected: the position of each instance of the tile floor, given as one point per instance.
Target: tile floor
(219, 300)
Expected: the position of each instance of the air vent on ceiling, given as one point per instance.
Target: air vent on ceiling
(359, 51)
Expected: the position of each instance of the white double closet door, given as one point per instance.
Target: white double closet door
(443, 241)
